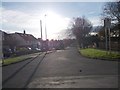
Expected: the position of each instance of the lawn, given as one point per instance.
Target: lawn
(100, 54)
(18, 59)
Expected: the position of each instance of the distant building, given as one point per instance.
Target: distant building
(18, 40)
(25, 40)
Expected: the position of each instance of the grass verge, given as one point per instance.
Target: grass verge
(18, 59)
(99, 54)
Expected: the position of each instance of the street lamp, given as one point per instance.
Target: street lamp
(45, 28)
(41, 27)
(41, 41)
(46, 34)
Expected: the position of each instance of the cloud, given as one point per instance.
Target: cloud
(17, 21)
(92, 12)
(13, 20)
(96, 21)
(15, 17)
(57, 0)
(0, 15)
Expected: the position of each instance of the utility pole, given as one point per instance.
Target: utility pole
(109, 40)
(45, 28)
(107, 24)
(46, 34)
(41, 27)
(41, 41)
(106, 41)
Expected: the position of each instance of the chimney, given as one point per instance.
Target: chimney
(24, 32)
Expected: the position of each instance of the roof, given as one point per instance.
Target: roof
(3, 32)
(27, 37)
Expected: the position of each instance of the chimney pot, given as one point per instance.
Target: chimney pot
(24, 32)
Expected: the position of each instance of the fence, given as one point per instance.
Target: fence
(115, 46)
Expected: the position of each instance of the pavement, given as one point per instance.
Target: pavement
(61, 69)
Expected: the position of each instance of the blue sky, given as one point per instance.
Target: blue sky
(17, 16)
(70, 9)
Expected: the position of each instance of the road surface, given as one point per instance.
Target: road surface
(61, 69)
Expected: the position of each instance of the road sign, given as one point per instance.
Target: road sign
(107, 22)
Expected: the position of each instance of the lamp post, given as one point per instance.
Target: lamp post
(41, 41)
(45, 28)
(46, 34)
(41, 27)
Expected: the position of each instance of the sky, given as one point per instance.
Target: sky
(19, 16)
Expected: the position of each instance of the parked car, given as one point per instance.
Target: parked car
(7, 52)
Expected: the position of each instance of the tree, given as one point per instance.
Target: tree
(112, 10)
(80, 28)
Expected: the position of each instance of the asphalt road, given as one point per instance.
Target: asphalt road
(61, 69)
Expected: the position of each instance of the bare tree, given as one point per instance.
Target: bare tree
(80, 28)
(112, 10)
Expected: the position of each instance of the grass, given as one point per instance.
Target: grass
(18, 59)
(100, 54)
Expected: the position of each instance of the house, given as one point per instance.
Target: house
(25, 40)
(15, 42)
(6, 44)
(19, 40)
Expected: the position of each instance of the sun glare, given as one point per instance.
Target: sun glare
(54, 23)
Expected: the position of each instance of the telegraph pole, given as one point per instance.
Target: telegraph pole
(106, 43)
(109, 40)
(41, 41)
(41, 27)
(107, 24)
(46, 34)
(45, 28)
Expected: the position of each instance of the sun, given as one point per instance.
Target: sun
(54, 23)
